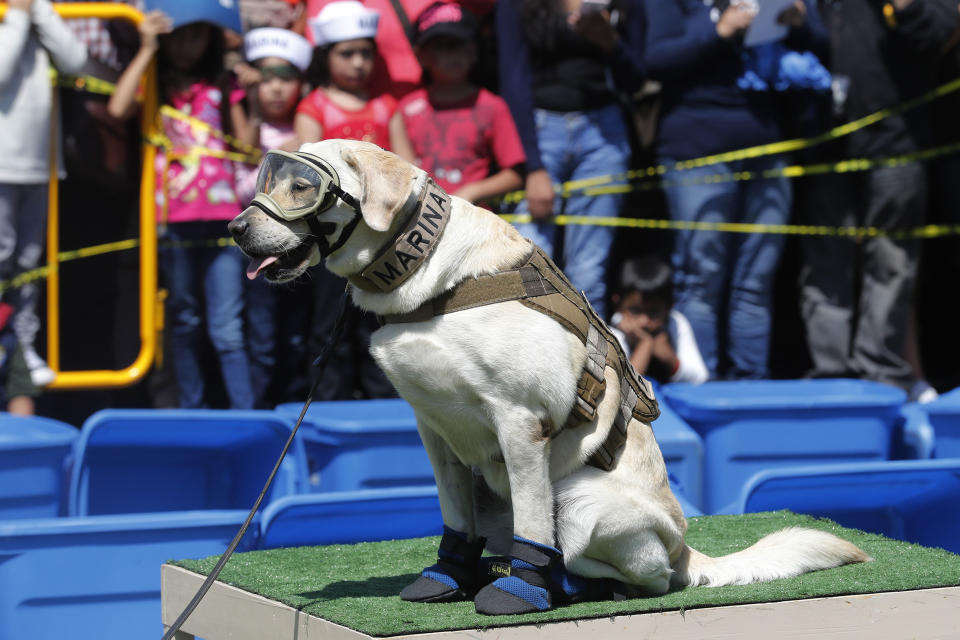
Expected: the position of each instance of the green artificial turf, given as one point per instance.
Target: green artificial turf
(357, 585)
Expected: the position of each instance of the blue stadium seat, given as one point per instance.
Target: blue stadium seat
(33, 452)
(140, 461)
(912, 500)
(753, 425)
(362, 444)
(351, 516)
(98, 578)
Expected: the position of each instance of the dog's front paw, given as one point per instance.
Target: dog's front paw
(454, 577)
(527, 587)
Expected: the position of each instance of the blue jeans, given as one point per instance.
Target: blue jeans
(724, 281)
(261, 315)
(573, 146)
(205, 285)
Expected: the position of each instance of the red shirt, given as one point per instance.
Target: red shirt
(459, 143)
(371, 123)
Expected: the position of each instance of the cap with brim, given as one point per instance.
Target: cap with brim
(269, 42)
(222, 13)
(343, 20)
(445, 19)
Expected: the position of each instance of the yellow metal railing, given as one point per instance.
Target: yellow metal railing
(148, 231)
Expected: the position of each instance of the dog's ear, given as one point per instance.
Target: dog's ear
(386, 181)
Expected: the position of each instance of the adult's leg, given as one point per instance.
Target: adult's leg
(224, 289)
(30, 219)
(702, 258)
(600, 146)
(755, 264)
(898, 199)
(9, 196)
(828, 274)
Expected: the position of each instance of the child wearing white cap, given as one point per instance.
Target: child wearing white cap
(341, 106)
(276, 62)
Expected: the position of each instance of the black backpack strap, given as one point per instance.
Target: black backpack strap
(404, 21)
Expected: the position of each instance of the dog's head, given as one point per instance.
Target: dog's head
(282, 248)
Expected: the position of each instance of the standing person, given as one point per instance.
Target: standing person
(857, 297)
(277, 60)
(724, 281)
(555, 61)
(397, 71)
(33, 36)
(343, 106)
(195, 196)
(461, 134)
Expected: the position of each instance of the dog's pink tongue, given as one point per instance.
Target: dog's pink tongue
(259, 264)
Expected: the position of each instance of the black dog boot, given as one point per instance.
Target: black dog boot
(525, 584)
(534, 579)
(454, 577)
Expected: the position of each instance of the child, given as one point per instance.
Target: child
(341, 106)
(33, 35)
(273, 77)
(196, 197)
(658, 338)
(464, 136)
(277, 59)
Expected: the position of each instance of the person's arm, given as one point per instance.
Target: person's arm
(14, 32)
(681, 43)
(806, 30)
(502, 182)
(245, 128)
(515, 88)
(399, 141)
(925, 24)
(623, 48)
(67, 53)
(123, 102)
(307, 129)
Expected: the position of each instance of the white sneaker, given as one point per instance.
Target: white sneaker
(40, 373)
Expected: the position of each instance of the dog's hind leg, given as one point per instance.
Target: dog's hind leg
(454, 576)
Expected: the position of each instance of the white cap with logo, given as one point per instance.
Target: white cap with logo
(343, 20)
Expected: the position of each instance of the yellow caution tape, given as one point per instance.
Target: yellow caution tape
(772, 148)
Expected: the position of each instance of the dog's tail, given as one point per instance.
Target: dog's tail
(783, 554)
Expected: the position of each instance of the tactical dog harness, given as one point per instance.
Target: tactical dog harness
(540, 285)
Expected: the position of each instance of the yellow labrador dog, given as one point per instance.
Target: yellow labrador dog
(494, 386)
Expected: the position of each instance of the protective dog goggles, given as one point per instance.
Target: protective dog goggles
(291, 186)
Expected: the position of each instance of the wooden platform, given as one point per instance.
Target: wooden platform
(229, 612)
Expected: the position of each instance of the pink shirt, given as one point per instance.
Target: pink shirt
(198, 187)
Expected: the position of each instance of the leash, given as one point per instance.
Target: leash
(320, 363)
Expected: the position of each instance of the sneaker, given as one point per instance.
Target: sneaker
(40, 373)
(921, 392)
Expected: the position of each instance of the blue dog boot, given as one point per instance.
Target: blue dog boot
(525, 583)
(454, 577)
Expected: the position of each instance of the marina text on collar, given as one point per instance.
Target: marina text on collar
(401, 258)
